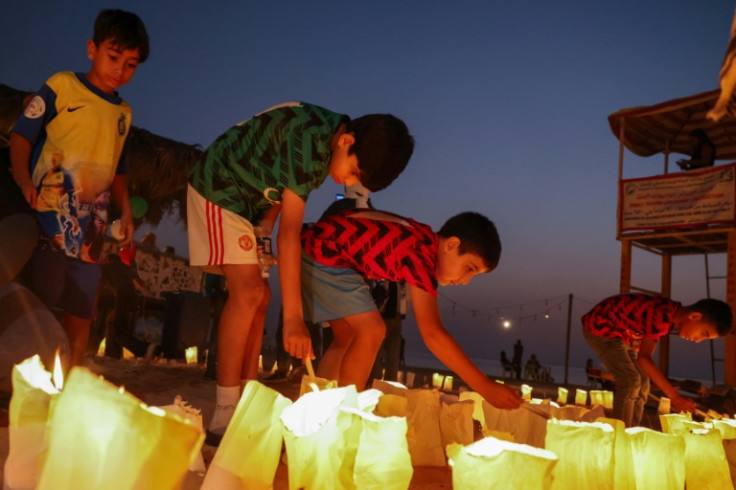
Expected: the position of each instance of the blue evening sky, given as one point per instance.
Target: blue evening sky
(507, 101)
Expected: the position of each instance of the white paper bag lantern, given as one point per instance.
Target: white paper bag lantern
(562, 395)
(526, 392)
(659, 459)
(423, 435)
(581, 397)
(664, 406)
(623, 464)
(585, 452)
(705, 461)
(608, 400)
(249, 452)
(494, 463)
(596, 397)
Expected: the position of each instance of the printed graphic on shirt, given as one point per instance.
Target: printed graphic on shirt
(631, 317)
(378, 245)
(78, 134)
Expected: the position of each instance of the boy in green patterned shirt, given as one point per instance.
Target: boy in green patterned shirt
(265, 166)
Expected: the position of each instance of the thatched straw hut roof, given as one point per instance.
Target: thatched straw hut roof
(158, 165)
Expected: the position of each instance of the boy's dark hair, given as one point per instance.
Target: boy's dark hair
(383, 146)
(477, 234)
(124, 29)
(716, 312)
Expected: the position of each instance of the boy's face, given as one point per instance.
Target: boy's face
(112, 67)
(454, 268)
(696, 329)
(343, 166)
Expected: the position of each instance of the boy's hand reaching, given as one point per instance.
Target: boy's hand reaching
(501, 396)
(683, 404)
(297, 341)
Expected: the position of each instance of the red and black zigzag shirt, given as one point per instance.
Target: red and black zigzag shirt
(376, 244)
(631, 317)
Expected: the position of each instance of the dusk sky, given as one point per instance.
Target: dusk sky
(507, 101)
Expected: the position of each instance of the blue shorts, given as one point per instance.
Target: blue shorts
(329, 293)
(62, 282)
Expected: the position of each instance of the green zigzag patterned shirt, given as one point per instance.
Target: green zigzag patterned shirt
(285, 147)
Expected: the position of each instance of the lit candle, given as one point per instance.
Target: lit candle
(562, 395)
(33, 394)
(596, 397)
(608, 400)
(581, 397)
(526, 392)
(191, 355)
(101, 348)
(99, 436)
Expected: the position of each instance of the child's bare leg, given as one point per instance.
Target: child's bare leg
(329, 365)
(246, 291)
(77, 331)
(369, 331)
(255, 339)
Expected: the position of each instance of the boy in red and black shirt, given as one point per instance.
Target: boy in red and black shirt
(343, 250)
(623, 331)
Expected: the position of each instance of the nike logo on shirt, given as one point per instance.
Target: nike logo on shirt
(72, 109)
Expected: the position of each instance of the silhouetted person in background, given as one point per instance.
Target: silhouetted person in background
(517, 357)
(703, 153)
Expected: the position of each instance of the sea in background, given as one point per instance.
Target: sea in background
(491, 367)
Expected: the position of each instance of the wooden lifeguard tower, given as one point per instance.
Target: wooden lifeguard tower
(680, 213)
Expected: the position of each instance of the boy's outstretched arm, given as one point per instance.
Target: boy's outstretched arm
(20, 158)
(297, 341)
(447, 350)
(646, 351)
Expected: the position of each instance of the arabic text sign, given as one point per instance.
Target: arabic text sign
(677, 200)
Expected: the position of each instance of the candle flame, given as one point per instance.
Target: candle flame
(101, 348)
(58, 372)
(191, 355)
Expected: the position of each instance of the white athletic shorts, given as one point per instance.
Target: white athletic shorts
(217, 236)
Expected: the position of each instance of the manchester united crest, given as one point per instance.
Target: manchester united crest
(245, 242)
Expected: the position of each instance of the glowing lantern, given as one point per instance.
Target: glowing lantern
(447, 385)
(456, 421)
(705, 460)
(191, 355)
(249, 451)
(310, 382)
(478, 402)
(423, 434)
(674, 423)
(526, 392)
(608, 400)
(664, 405)
(659, 459)
(494, 463)
(437, 380)
(623, 465)
(562, 395)
(581, 397)
(100, 437)
(410, 379)
(33, 393)
(320, 445)
(382, 459)
(585, 451)
(596, 397)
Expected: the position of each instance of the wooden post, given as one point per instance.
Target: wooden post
(567, 342)
(729, 364)
(664, 342)
(625, 284)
